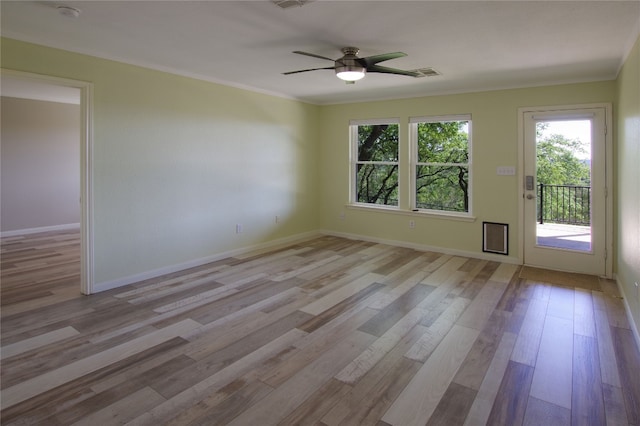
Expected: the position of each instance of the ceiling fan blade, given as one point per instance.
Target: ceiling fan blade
(387, 70)
(310, 69)
(313, 55)
(371, 60)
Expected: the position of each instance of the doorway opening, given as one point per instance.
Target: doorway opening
(38, 83)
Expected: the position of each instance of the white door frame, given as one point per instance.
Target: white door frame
(608, 174)
(86, 168)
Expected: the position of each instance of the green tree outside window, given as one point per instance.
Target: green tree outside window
(376, 167)
(442, 166)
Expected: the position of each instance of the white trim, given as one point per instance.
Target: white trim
(443, 164)
(423, 247)
(440, 118)
(609, 182)
(374, 121)
(434, 214)
(375, 207)
(27, 231)
(353, 157)
(627, 308)
(108, 285)
(87, 278)
(378, 163)
(86, 169)
(555, 117)
(521, 176)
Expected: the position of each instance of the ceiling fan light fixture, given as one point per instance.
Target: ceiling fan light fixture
(350, 68)
(350, 72)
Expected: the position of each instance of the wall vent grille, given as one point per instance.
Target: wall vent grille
(495, 237)
(426, 72)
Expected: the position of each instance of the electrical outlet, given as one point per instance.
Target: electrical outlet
(238, 228)
(412, 224)
(342, 216)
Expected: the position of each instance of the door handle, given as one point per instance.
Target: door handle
(530, 196)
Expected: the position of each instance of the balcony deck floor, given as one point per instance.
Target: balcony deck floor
(572, 237)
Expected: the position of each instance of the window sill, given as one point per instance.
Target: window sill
(414, 213)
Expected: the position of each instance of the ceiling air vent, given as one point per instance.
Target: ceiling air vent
(425, 72)
(286, 4)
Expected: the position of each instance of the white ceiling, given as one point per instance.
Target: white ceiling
(476, 45)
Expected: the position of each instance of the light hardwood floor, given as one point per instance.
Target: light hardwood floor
(327, 331)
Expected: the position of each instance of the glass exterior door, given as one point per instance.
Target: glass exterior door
(564, 153)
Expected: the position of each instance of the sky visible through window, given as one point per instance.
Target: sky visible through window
(574, 129)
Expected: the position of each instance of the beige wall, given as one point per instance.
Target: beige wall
(40, 170)
(179, 162)
(495, 143)
(628, 182)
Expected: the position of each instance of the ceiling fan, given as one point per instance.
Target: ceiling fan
(351, 68)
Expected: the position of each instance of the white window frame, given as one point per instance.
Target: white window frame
(353, 159)
(413, 163)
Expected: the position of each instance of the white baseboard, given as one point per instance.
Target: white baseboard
(627, 308)
(108, 285)
(424, 247)
(27, 231)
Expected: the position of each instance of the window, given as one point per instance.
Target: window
(374, 162)
(441, 149)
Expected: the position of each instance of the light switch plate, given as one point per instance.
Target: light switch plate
(506, 171)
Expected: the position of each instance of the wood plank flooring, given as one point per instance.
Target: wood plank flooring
(328, 331)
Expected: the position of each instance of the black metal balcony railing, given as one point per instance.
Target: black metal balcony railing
(569, 204)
